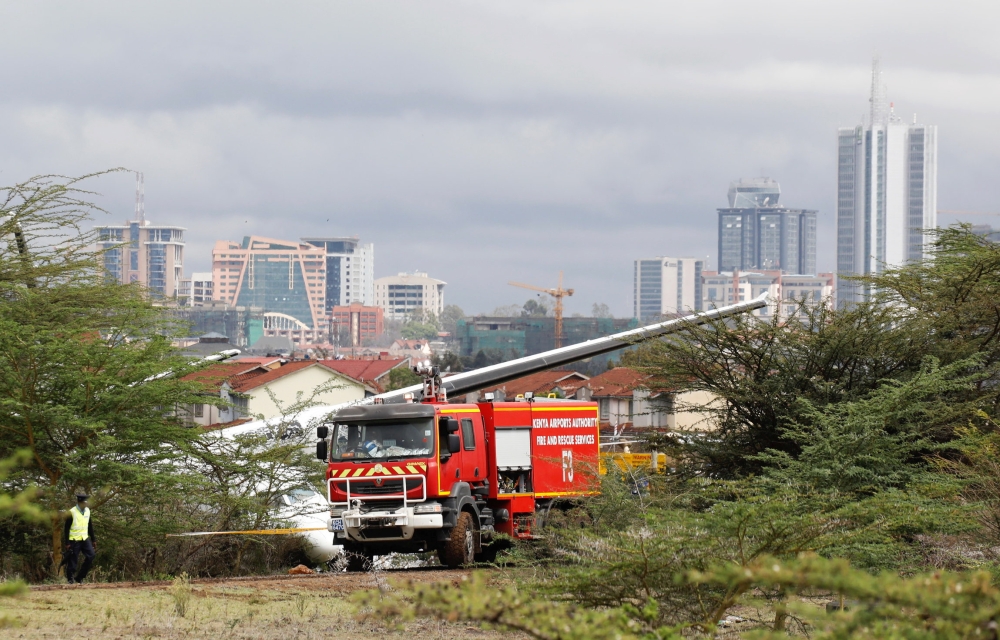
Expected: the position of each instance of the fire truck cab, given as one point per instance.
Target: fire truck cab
(447, 477)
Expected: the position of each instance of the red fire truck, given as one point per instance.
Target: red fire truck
(437, 476)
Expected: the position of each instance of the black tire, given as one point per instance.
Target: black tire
(358, 558)
(460, 548)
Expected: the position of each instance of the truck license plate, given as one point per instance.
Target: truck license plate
(337, 524)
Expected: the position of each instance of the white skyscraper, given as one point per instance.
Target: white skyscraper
(886, 193)
(667, 286)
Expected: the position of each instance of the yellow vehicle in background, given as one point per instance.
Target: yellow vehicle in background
(628, 462)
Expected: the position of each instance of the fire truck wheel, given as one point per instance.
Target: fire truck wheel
(460, 547)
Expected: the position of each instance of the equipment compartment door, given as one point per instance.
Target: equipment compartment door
(564, 440)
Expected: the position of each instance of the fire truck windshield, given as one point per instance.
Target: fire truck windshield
(385, 439)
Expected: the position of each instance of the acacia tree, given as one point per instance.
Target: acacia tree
(953, 297)
(242, 478)
(760, 369)
(78, 354)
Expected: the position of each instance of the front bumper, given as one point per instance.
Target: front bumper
(375, 525)
(386, 517)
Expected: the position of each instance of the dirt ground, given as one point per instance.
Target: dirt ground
(279, 607)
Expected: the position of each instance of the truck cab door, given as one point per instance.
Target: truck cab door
(449, 464)
(474, 469)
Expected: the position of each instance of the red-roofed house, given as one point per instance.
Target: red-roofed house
(312, 379)
(622, 398)
(371, 372)
(245, 387)
(215, 380)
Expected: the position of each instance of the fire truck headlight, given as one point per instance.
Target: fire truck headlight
(430, 507)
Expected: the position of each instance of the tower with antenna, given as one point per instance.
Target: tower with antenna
(878, 109)
(148, 255)
(886, 192)
(140, 198)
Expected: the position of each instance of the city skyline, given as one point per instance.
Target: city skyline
(547, 140)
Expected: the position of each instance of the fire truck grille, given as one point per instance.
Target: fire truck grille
(371, 488)
(381, 505)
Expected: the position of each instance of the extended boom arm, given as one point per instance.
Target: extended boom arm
(499, 373)
(505, 371)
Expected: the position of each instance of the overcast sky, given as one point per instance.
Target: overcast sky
(486, 142)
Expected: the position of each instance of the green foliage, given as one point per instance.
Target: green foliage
(937, 605)
(859, 488)
(850, 436)
(877, 442)
(419, 331)
(978, 469)
(955, 296)
(487, 357)
(511, 609)
(534, 309)
(180, 592)
(600, 310)
(450, 317)
(401, 377)
(940, 605)
(633, 548)
(19, 505)
(762, 370)
(83, 395)
(77, 354)
(421, 325)
(448, 361)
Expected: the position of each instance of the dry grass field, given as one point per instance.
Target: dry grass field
(282, 608)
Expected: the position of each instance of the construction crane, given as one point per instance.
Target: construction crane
(558, 293)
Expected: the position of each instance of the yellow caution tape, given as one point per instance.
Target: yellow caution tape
(255, 532)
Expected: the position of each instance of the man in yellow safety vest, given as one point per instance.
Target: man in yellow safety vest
(79, 536)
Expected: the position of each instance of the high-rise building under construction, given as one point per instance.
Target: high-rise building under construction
(886, 193)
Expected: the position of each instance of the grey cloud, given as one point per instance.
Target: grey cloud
(484, 142)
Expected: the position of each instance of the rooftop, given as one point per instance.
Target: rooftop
(213, 376)
(242, 386)
(541, 383)
(618, 382)
(754, 192)
(367, 371)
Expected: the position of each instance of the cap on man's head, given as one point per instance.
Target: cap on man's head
(80, 497)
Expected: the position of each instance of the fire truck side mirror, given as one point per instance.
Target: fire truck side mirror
(448, 425)
(321, 450)
(322, 432)
(454, 444)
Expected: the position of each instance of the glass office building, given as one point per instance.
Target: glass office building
(761, 235)
(350, 271)
(886, 193)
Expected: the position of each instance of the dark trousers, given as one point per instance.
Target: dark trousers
(75, 547)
